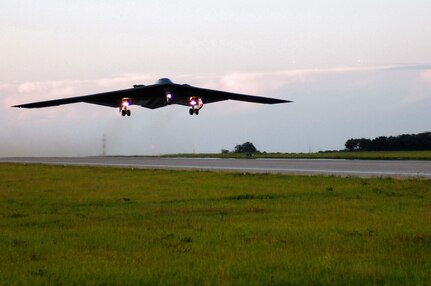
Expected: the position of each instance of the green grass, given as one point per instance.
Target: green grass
(107, 226)
(375, 155)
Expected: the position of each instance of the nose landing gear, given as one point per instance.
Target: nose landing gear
(169, 98)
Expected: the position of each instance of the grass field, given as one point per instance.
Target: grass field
(107, 226)
(377, 155)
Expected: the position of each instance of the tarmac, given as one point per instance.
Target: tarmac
(358, 168)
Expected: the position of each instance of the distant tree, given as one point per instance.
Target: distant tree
(380, 144)
(365, 144)
(224, 151)
(246, 147)
(358, 144)
(352, 145)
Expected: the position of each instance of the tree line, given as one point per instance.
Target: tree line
(404, 142)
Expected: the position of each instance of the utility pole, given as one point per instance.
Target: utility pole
(104, 145)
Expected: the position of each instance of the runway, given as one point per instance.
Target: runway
(359, 168)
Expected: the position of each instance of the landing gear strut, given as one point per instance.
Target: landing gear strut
(168, 98)
(124, 108)
(195, 104)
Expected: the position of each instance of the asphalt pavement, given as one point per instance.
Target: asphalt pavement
(360, 168)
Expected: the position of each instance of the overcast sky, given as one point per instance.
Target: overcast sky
(353, 69)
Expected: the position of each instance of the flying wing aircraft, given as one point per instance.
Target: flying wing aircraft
(164, 92)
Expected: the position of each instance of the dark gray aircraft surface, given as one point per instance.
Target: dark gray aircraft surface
(164, 92)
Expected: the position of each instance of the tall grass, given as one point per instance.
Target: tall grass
(106, 226)
(363, 155)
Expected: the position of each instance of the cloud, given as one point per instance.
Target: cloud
(411, 67)
(255, 83)
(426, 75)
(267, 82)
(331, 105)
(125, 80)
(259, 83)
(420, 91)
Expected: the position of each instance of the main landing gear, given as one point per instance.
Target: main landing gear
(125, 112)
(124, 108)
(193, 111)
(195, 104)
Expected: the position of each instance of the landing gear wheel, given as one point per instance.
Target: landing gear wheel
(197, 111)
(123, 112)
(191, 111)
(128, 112)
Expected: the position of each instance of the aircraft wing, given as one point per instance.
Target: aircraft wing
(148, 96)
(210, 95)
(158, 95)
